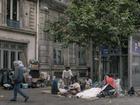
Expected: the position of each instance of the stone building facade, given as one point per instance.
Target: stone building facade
(124, 62)
(22, 36)
(17, 31)
(52, 56)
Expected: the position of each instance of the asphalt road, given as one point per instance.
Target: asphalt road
(37, 98)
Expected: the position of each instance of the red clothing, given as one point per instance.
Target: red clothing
(110, 81)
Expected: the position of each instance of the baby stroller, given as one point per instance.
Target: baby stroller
(107, 90)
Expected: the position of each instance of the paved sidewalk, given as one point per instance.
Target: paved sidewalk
(37, 98)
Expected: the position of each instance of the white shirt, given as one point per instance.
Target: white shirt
(88, 82)
(76, 85)
(67, 74)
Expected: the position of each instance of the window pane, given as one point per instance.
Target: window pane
(82, 57)
(14, 9)
(0, 59)
(59, 57)
(12, 59)
(54, 56)
(19, 55)
(5, 59)
(8, 9)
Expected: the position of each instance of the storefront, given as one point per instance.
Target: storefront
(16, 45)
(11, 51)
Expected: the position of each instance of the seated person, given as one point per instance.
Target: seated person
(118, 85)
(131, 91)
(74, 88)
(109, 84)
(88, 83)
(110, 81)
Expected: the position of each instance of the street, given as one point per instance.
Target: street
(38, 98)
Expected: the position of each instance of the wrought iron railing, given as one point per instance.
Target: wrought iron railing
(13, 23)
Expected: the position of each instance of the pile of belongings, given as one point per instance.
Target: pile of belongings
(106, 90)
(7, 86)
(89, 93)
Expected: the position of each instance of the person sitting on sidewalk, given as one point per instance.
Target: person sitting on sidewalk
(88, 83)
(74, 88)
(131, 91)
(109, 84)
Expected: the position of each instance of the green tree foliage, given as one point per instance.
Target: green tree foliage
(102, 21)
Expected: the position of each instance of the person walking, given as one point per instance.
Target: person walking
(18, 78)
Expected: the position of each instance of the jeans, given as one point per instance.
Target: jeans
(17, 89)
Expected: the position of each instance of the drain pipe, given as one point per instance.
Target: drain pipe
(37, 31)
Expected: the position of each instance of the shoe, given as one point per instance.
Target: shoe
(13, 100)
(26, 99)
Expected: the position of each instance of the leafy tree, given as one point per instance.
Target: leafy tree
(102, 21)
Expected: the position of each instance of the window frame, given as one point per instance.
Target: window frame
(11, 10)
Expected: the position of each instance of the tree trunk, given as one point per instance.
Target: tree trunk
(91, 60)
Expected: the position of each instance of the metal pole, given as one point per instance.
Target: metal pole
(37, 31)
(130, 62)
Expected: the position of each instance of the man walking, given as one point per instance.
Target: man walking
(18, 78)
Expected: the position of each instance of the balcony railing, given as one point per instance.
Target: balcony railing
(13, 23)
(62, 1)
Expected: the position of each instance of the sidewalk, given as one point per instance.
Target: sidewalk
(38, 98)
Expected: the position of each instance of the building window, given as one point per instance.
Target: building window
(57, 56)
(13, 13)
(57, 39)
(13, 9)
(54, 56)
(9, 52)
(72, 54)
(82, 56)
(19, 55)
(5, 59)
(9, 57)
(0, 60)
(13, 58)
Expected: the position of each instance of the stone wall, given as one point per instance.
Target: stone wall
(29, 15)
(43, 42)
(50, 10)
